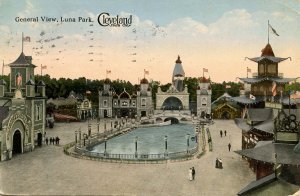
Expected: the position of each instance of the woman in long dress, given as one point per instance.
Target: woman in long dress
(190, 174)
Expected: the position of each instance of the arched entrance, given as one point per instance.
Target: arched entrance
(203, 114)
(143, 113)
(173, 120)
(124, 112)
(17, 142)
(105, 113)
(40, 139)
(172, 103)
(226, 115)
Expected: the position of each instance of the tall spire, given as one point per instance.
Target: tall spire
(268, 32)
(178, 60)
(22, 42)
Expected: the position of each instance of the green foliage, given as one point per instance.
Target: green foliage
(6, 78)
(293, 86)
(63, 86)
(192, 84)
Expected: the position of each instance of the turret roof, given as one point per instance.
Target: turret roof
(22, 60)
(268, 54)
(178, 69)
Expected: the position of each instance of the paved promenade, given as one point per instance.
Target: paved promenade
(48, 171)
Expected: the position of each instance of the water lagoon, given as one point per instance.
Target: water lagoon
(151, 140)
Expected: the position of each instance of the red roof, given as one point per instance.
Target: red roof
(203, 80)
(144, 81)
(267, 51)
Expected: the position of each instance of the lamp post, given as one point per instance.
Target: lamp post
(136, 153)
(76, 137)
(166, 145)
(98, 125)
(104, 125)
(79, 137)
(187, 142)
(84, 138)
(105, 140)
(89, 127)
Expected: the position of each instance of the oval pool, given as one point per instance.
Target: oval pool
(151, 140)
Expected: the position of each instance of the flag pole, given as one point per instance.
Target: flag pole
(202, 72)
(3, 68)
(106, 74)
(41, 71)
(247, 72)
(22, 42)
(144, 73)
(268, 31)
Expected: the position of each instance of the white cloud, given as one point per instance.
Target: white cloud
(186, 26)
(29, 9)
(232, 21)
(4, 29)
(282, 16)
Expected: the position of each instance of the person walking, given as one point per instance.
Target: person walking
(221, 133)
(190, 174)
(229, 147)
(58, 140)
(50, 140)
(225, 132)
(47, 141)
(193, 173)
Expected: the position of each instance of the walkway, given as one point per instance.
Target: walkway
(47, 171)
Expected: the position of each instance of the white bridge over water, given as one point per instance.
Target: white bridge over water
(175, 116)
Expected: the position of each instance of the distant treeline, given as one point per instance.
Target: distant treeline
(63, 86)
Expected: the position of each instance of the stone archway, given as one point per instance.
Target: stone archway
(172, 103)
(17, 142)
(172, 119)
(143, 113)
(39, 139)
(105, 114)
(226, 115)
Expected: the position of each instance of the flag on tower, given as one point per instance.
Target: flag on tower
(26, 39)
(273, 30)
(146, 72)
(248, 70)
(205, 70)
(44, 67)
(274, 92)
(108, 71)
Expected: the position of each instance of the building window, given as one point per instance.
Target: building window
(133, 103)
(105, 103)
(115, 103)
(38, 112)
(203, 102)
(272, 69)
(261, 69)
(124, 103)
(143, 102)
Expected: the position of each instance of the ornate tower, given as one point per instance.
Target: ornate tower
(178, 75)
(203, 97)
(21, 71)
(105, 100)
(144, 99)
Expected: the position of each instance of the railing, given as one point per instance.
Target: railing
(84, 151)
(161, 156)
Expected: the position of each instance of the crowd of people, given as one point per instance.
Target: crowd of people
(52, 140)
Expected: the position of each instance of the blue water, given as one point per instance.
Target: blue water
(151, 140)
